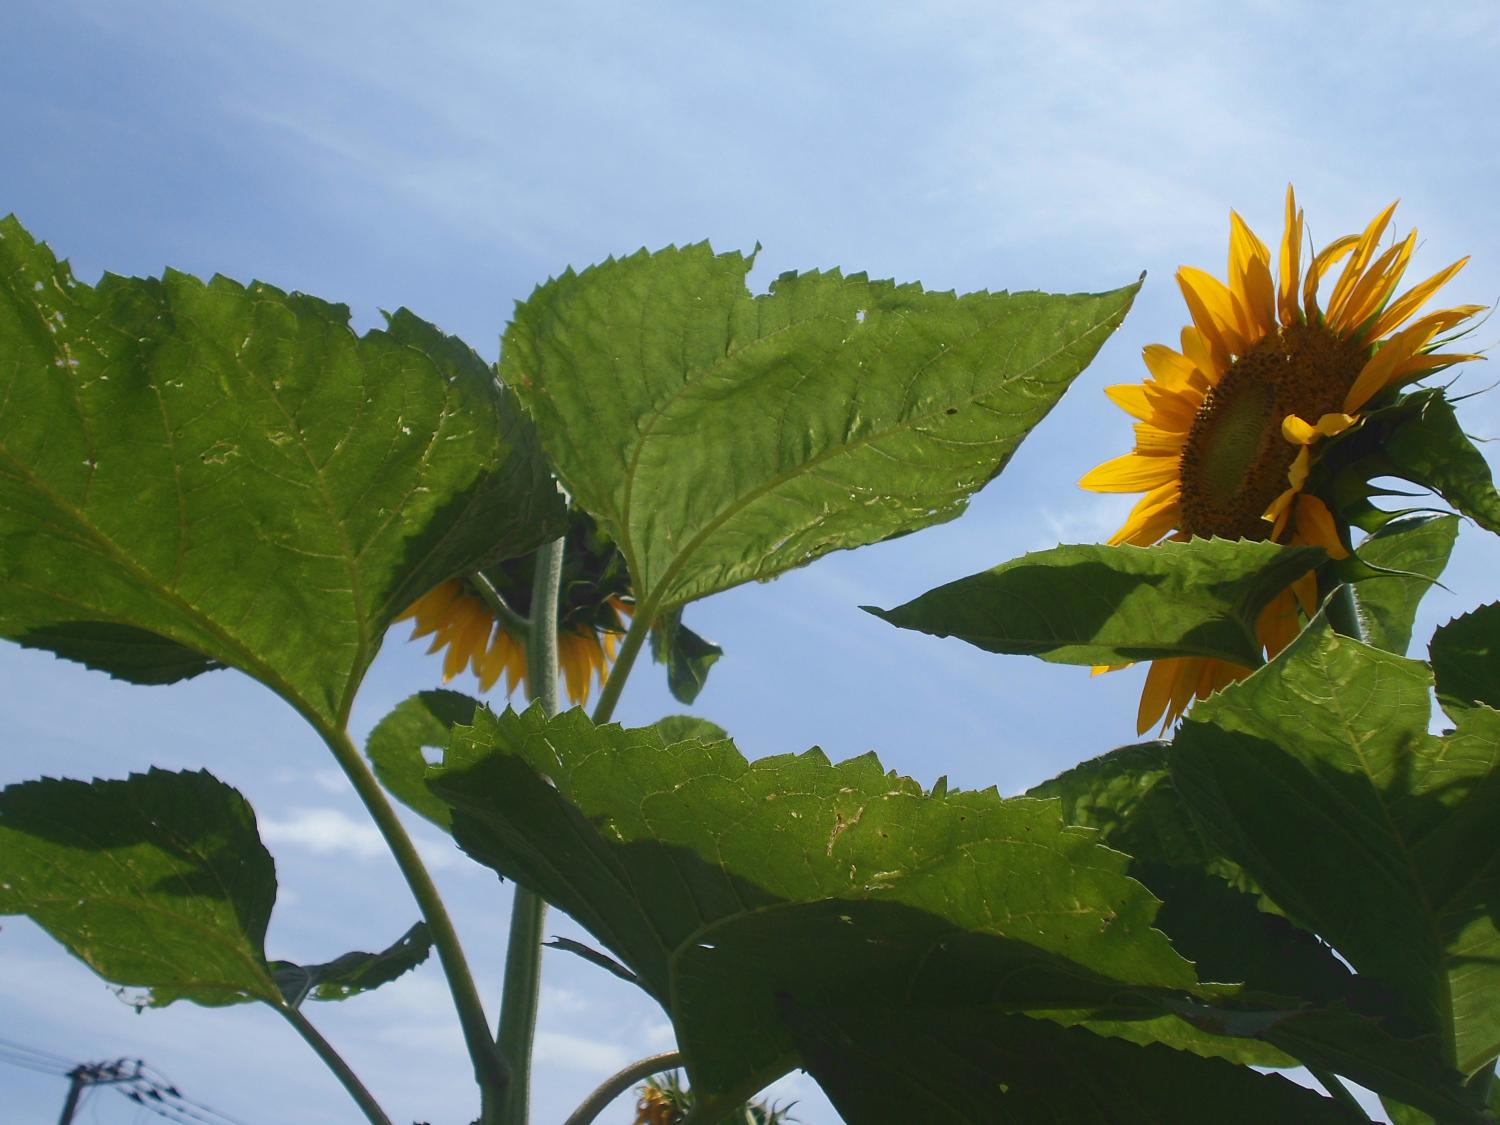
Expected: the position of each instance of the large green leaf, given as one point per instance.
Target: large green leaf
(1415, 550)
(352, 973)
(232, 470)
(723, 884)
(1318, 776)
(719, 437)
(159, 881)
(1108, 605)
(1466, 660)
(1296, 998)
(974, 1067)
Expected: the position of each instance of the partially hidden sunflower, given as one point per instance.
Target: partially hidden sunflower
(594, 607)
(1227, 426)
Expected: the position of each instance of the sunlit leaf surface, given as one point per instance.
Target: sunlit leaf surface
(725, 884)
(196, 472)
(720, 437)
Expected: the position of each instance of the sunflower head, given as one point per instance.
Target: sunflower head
(594, 604)
(1228, 424)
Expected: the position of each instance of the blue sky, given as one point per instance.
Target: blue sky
(450, 159)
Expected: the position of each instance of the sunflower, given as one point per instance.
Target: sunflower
(594, 605)
(461, 620)
(1227, 426)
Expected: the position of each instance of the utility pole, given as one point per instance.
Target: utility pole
(84, 1075)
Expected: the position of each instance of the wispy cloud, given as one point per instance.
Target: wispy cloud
(327, 831)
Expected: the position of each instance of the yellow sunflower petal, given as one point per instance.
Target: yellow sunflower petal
(1154, 441)
(1131, 398)
(1394, 358)
(1157, 693)
(1196, 348)
(1250, 279)
(1413, 299)
(573, 668)
(1153, 516)
(1171, 370)
(1291, 262)
(1305, 590)
(1322, 262)
(1130, 473)
(1280, 510)
(1375, 288)
(1364, 250)
(1215, 313)
(1316, 526)
(1279, 622)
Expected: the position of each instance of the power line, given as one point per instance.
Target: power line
(25, 1062)
(146, 1086)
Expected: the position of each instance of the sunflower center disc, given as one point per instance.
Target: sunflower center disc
(1235, 461)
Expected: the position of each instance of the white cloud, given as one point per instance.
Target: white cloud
(325, 831)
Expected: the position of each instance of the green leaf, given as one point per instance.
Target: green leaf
(395, 747)
(678, 728)
(723, 884)
(123, 651)
(352, 973)
(231, 469)
(976, 1067)
(1318, 776)
(1419, 440)
(719, 437)
(1296, 998)
(159, 881)
(1417, 550)
(1466, 660)
(688, 656)
(1109, 605)
(594, 957)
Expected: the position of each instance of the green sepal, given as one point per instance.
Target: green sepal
(688, 656)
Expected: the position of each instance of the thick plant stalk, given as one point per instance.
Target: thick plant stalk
(521, 991)
(489, 1066)
(617, 1083)
(1343, 612)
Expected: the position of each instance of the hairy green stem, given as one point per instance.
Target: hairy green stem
(521, 992)
(335, 1062)
(1335, 1086)
(635, 636)
(617, 1083)
(517, 626)
(489, 1066)
(1343, 613)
